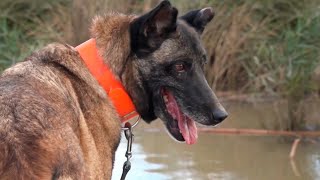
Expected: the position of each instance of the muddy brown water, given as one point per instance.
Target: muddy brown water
(230, 157)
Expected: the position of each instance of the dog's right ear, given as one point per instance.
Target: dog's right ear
(199, 18)
(150, 30)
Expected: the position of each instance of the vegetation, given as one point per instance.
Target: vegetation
(263, 47)
(27, 25)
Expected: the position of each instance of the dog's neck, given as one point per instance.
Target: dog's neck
(113, 40)
(105, 55)
(112, 86)
(112, 35)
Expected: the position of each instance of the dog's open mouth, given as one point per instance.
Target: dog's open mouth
(181, 127)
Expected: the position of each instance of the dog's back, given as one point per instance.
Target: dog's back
(41, 103)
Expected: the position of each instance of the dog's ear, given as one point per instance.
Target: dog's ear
(150, 30)
(199, 18)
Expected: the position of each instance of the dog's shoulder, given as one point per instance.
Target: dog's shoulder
(51, 64)
(53, 55)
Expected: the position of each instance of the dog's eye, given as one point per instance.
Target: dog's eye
(180, 67)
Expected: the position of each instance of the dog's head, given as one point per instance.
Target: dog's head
(169, 80)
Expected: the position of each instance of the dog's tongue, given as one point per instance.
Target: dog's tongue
(186, 125)
(188, 129)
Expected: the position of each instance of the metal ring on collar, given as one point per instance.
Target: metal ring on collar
(134, 124)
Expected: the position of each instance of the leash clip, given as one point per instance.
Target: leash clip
(131, 126)
(129, 136)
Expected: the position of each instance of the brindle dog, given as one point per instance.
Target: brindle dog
(56, 121)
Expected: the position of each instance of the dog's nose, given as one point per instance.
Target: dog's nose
(219, 115)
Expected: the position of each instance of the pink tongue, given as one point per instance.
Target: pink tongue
(186, 125)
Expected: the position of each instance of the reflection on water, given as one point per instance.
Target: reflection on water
(157, 157)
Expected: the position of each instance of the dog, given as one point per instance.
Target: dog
(56, 120)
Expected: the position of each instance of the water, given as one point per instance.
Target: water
(231, 157)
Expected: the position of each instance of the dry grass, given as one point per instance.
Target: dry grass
(82, 11)
(225, 44)
(259, 46)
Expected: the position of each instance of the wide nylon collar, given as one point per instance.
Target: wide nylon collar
(113, 87)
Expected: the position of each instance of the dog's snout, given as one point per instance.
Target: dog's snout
(219, 115)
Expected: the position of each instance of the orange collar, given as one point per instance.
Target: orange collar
(113, 87)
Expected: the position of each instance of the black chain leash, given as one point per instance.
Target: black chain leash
(129, 137)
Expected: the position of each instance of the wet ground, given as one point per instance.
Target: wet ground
(157, 157)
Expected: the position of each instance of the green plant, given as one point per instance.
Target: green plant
(9, 46)
(27, 25)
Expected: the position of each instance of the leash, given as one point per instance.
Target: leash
(127, 129)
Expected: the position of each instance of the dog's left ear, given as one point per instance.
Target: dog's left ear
(150, 30)
(199, 18)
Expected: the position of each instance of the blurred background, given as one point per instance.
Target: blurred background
(263, 63)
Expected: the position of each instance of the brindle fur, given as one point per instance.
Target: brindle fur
(56, 122)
